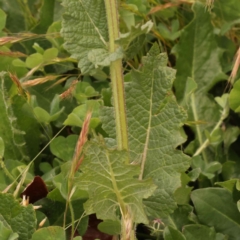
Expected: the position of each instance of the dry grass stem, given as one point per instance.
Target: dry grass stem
(235, 67)
(41, 80)
(12, 54)
(78, 158)
(6, 40)
(161, 7)
(69, 91)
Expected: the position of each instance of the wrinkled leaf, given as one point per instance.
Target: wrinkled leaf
(84, 29)
(112, 184)
(154, 119)
(21, 219)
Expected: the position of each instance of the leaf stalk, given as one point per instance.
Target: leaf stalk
(117, 77)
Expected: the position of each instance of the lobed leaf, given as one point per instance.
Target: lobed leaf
(112, 184)
(154, 119)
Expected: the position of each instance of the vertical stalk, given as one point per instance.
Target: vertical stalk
(119, 104)
(117, 76)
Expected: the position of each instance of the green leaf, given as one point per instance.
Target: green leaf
(10, 132)
(6, 232)
(100, 57)
(18, 63)
(28, 123)
(2, 19)
(38, 48)
(42, 115)
(154, 119)
(84, 29)
(172, 234)
(128, 16)
(136, 31)
(34, 60)
(197, 53)
(190, 88)
(46, 14)
(198, 58)
(77, 116)
(229, 185)
(182, 216)
(21, 219)
(50, 54)
(215, 207)
(1, 148)
(110, 227)
(64, 148)
(50, 233)
(199, 232)
(182, 195)
(54, 29)
(83, 91)
(234, 99)
(230, 136)
(112, 183)
(228, 11)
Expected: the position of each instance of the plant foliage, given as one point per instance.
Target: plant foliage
(129, 112)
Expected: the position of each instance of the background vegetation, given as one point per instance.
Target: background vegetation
(133, 127)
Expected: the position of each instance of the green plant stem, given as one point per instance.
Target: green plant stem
(206, 142)
(73, 219)
(117, 80)
(117, 77)
(199, 135)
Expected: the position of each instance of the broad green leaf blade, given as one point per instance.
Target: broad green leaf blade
(84, 29)
(50, 233)
(215, 207)
(77, 116)
(154, 120)
(197, 53)
(21, 219)
(112, 184)
(227, 11)
(199, 232)
(110, 227)
(3, 17)
(172, 234)
(12, 135)
(234, 100)
(6, 232)
(198, 58)
(64, 148)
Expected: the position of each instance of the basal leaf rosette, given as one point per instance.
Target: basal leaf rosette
(154, 121)
(112, 185)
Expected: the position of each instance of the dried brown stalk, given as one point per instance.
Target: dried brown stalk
(78, 158)
(69, 91)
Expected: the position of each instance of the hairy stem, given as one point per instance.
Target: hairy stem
(117, 76)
